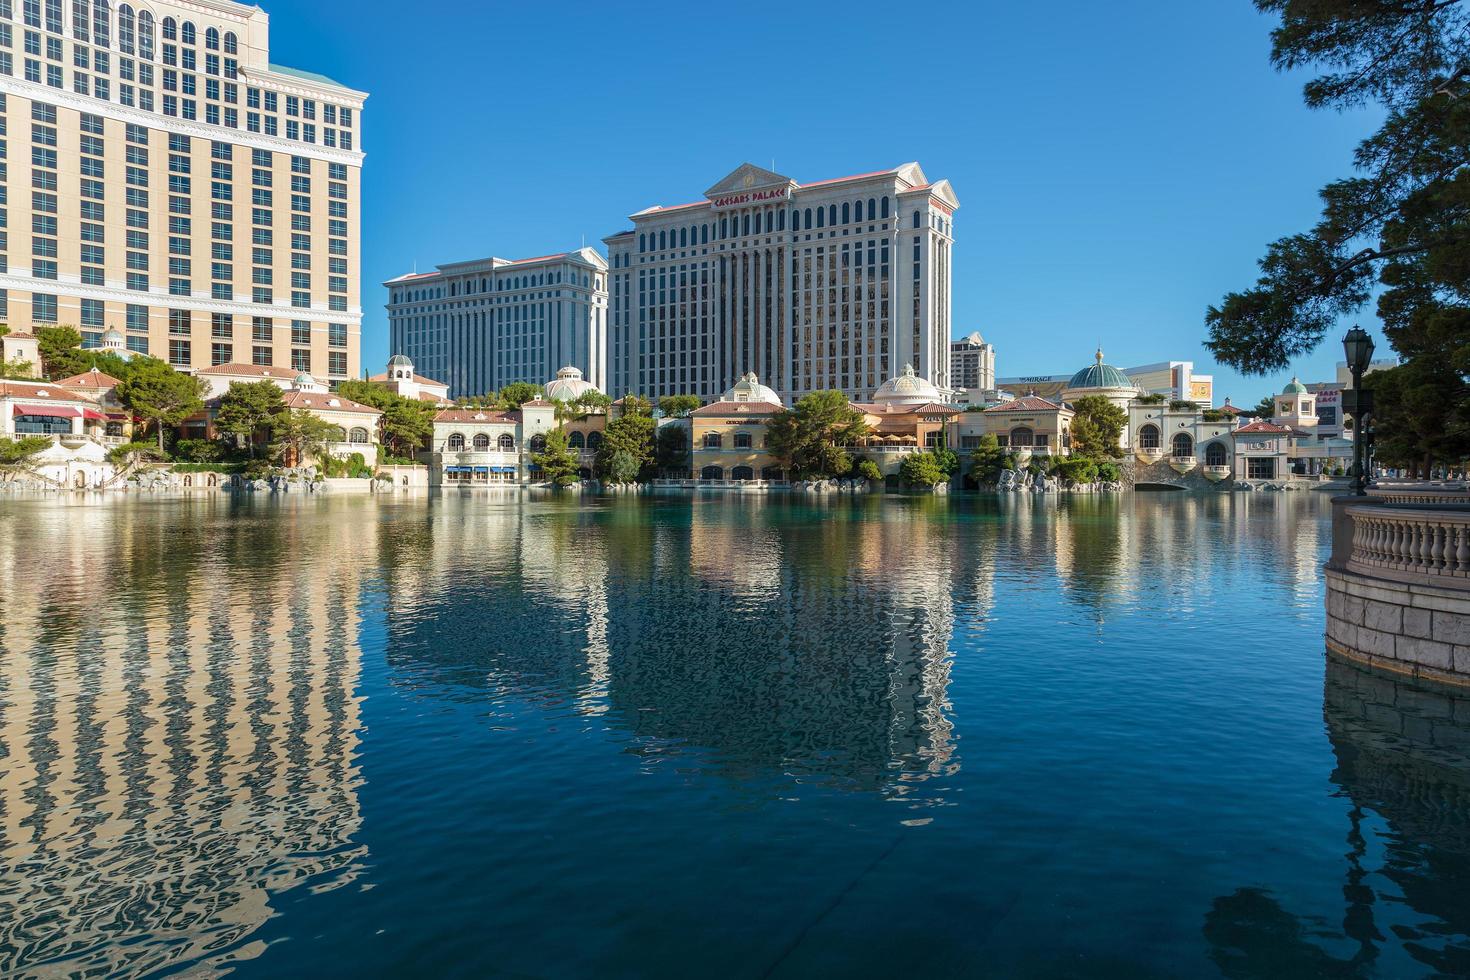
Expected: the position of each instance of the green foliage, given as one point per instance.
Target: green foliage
(678, 406)
(198, 451)
(16, 452)
(922, 470)
(17, 368)
(630, 434)
(622, 467)
(948, 460)
(516, 394)
(987, 460)
(558, 463)
(866, 469)
(1152, 398)
(61, 351)
(406, 423)
(1418, 416)
(1396, 229)
(1214, 415)
(1097, 427)
(299, 436)
(247, 408)
(1077, 469)
(1109, 472)
(210, 467)
(636, 405)
(811, 439)
(672, 453)
(160, 395)
(1178, 405)
(352, 467)
(592, 401)
(1265, 408)
(132, 453)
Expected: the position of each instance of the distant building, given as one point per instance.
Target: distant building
(401, 379)
(1175, 380)
(972, 363)
(483, 324)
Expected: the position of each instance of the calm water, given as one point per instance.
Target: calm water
(719, 738)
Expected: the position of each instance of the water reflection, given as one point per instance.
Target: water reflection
(178, 732)
(1403, 764)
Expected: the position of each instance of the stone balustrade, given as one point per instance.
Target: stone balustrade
(1421, 493)
(1398, 588)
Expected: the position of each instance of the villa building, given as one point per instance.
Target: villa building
(1181, 436)
(178, 187)
(401, 379)
(21, 348)
(483, 324)
(1030, 424)
(827, 285)
(76, 423)
(729, 435)
(484, 447)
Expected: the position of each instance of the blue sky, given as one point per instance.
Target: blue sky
(1120, 166)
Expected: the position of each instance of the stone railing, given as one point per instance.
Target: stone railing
(1420, 493)
(1428, 544)
(1398, 587)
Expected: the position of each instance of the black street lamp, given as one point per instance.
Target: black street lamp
(1358, 347)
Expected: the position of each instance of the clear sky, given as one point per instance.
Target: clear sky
(1120, 166)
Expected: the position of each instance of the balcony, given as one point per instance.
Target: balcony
(1217, 473)
(1182, 464)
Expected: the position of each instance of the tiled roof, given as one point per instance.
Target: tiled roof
(38, 389)
(21, 335)
(476, 415)
(1026, 403)
(538, 403)
(90, 379)
(325, 402)
(248, 371)
(739, 408)
(1263, 427)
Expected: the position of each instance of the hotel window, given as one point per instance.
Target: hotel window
(180, 322)
(301, 333)
(337, 335)
(137, 317)
(221, 353)
(222, 326)
(260, 356)
(301, 361)
(336, 364)
(179, 353)
(43, 308)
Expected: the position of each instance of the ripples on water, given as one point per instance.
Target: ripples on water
(714, 737)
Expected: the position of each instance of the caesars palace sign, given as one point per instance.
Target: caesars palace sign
(751, 197)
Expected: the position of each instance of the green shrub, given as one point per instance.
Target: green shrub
(866, 469)
(208, 467)
(922, 470)
(1077, 470)
(1109, 472)
(198, 451)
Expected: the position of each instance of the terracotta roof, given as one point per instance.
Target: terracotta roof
(248, 371)
(39, 389)
(1232, 410)
(380, 378)
(839, 180)
(476, 415)
(739, 408)
(90, 379)
(1264, 427)
(538, 403)
(21, 335)
(424, 396)
(414, 275)
(1026, 403)
(324, 402)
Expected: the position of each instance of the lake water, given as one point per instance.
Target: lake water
(712, 738)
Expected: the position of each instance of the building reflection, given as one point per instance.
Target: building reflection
(178, 730)
(1403, 759)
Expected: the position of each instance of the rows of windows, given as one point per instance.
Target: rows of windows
(137, 47)
(765, 221)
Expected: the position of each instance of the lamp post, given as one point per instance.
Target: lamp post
(1358, 347)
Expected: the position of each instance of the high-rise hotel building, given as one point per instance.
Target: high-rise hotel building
(159, 176)
(834, 284)
(477, 326)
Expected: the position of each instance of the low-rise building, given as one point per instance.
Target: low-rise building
(1028, 426)
(1182, 435)
(401, 379)
(20, 348)
(728, 435)
(487, 447)
(74, 422)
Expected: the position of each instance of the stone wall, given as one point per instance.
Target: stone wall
(1410, 629)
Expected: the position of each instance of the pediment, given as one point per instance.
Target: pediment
(748, 177)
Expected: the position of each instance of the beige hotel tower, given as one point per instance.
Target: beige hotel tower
(161, 178)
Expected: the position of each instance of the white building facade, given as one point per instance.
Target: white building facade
(972, 363)
(480, 325)
(833, 284)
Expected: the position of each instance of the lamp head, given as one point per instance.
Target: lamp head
(1358, 347)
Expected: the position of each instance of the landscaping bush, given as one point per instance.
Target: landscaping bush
(198, 451)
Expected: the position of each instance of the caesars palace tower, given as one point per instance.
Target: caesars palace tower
(833, 284)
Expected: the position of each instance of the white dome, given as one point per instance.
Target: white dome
(400, 360)
(750, 389)
(568, 386)
(907, 389)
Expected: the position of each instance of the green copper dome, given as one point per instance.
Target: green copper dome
(1100, 375)
(1295, 388)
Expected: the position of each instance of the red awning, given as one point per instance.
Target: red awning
(93, 416)
(50, 411)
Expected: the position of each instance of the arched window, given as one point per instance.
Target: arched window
(872, 209)
(1183, 446)
(712, 440)
(538, 443)
(1148, 437)
(883, 208)
(170, 29)
(770, 219)
(712, 473)
(232, 46)
(1022, 436)
(724, 227)
(211, 39)
(846, 213)
(507, 442)
(576, 441)
(832, 214)
(594, 440)
(125, 31)
(742, 473)
(916, 219)
(821, 217)
(102, 22)
(145, 35)
(642, 243)
(683, 237)
(772, 473)
(745, 224)
(809, 219)
(358, 435)
(781, 220)
(186, 33)
(481, 443)
(1215, 454)
(456, 442)
(338, 434)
